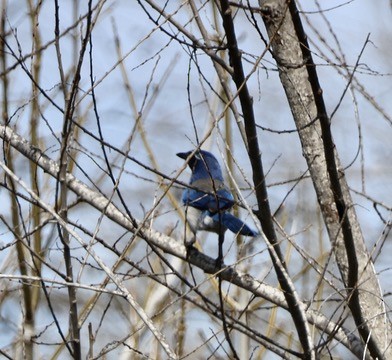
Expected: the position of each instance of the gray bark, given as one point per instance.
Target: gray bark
(299, 79)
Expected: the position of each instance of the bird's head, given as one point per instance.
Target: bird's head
(203, 164)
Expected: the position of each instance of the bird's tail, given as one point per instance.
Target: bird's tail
(236, 225)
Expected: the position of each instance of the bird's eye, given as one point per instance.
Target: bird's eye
(197, 156)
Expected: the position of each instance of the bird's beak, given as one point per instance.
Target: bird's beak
(183, 155)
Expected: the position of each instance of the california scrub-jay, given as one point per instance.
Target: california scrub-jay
(208, 200)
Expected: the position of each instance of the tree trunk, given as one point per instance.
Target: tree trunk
(299, 79)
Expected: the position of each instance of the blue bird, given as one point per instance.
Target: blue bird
(208, 200)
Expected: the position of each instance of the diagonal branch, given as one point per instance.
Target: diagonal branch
(170, 246)
(116, 280)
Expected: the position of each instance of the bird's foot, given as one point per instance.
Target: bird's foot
(189, 248)
(219, 264)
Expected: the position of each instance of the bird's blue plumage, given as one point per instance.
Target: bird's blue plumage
(208, 200)
(234, 224)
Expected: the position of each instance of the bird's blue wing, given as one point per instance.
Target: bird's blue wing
(205, 201)
(234, 224)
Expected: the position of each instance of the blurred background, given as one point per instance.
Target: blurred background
(156, 95)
